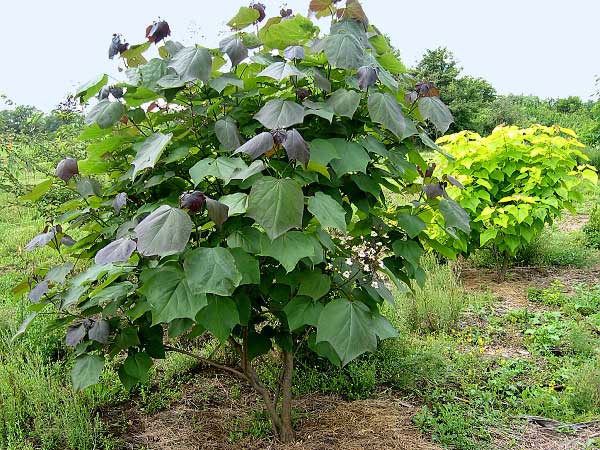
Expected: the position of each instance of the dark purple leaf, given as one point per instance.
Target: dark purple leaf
(38, 291)
(261, 11)
(217, 211)
(117, 251)
(66, 169)
(294, 52)
(285, 12)
(67, 240)
(158, 31)
(296, 147)
(119, 201)
(435, 190)
(235, 49)
(453, 181)
(117, 92)
(40, 240)
(193, 201)
(302, 93)
(279, 136)
(427, 89)
(75, 334)
(117, 46)
(367, 77)
(257, 146)
(430, 169)
(100, 331)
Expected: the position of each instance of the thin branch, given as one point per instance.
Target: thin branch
(208, 362)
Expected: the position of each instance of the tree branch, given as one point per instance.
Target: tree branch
(208, 362)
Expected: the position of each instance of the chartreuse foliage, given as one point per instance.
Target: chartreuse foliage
(515, 181)
(226, 194)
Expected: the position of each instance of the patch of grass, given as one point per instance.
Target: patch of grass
(558, 248)
(592, 228)
(437, 305)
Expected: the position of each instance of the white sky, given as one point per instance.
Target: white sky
(543, 47)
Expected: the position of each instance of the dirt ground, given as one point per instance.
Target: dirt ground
(212, 412)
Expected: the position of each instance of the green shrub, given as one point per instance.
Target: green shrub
(515, 181)
(592, 228)
(555, 247)
(593, 153)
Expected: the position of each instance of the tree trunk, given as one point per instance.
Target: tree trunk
(287, 431)
(504, 267)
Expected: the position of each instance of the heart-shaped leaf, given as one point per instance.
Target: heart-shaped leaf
(164, 232)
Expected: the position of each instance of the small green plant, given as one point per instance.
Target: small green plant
(592, 228)
(515, 181)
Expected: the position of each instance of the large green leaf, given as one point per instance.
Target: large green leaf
(354, 158)
(223, 167)
(237, 203)
(212, 270)
(455, 216)
(192, 63)
(247, 265)
(244, 17)
(384, 109)
(280, 113)
(433, 109)
(276, 205)
(314, 284)
(86, 371)
(228, 134)
(301, 311)
(38, 191)
(90, 88)
(322, 151)
(169, 295)
(344, 50)
(344, 102)
(328, 212)
(348, 327)
(413, 225)
(219, 317)
(293, 31)
(289, 248)
(281, 70)
(164, 232)
(149, 151)
(135, 369)
(105, 113)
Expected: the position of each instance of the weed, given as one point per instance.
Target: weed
(592, 228)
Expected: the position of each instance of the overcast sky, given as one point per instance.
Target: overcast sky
(543, 47)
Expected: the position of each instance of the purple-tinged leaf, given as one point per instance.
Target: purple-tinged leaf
(427, 89)
(117, 251)
(252, 169)
(87, 187)
(435, 190)
(119, 201)
(261, 11)
(66, 169)
(279, 136)
(258, 145)
(117, 46)
(411, 96)
(67, 240)
(193, 201)
(279, 113)
(294, 52)
(217, 211)
(158, 31)
(234, 48)
(302, 93)
(75, 334)
(100, 331)
(166, 231)
(296, 147)
(453, 181)
(367, 77)
(117, 92)
(58, 274)
(40, 240)
(38, 291)
(285, 12)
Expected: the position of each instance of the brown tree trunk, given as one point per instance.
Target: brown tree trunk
(504, 267)
(287, 431)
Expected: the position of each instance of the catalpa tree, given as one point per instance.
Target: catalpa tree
(240, 193)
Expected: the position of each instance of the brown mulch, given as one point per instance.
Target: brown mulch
(213, 413)
(572, 223)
